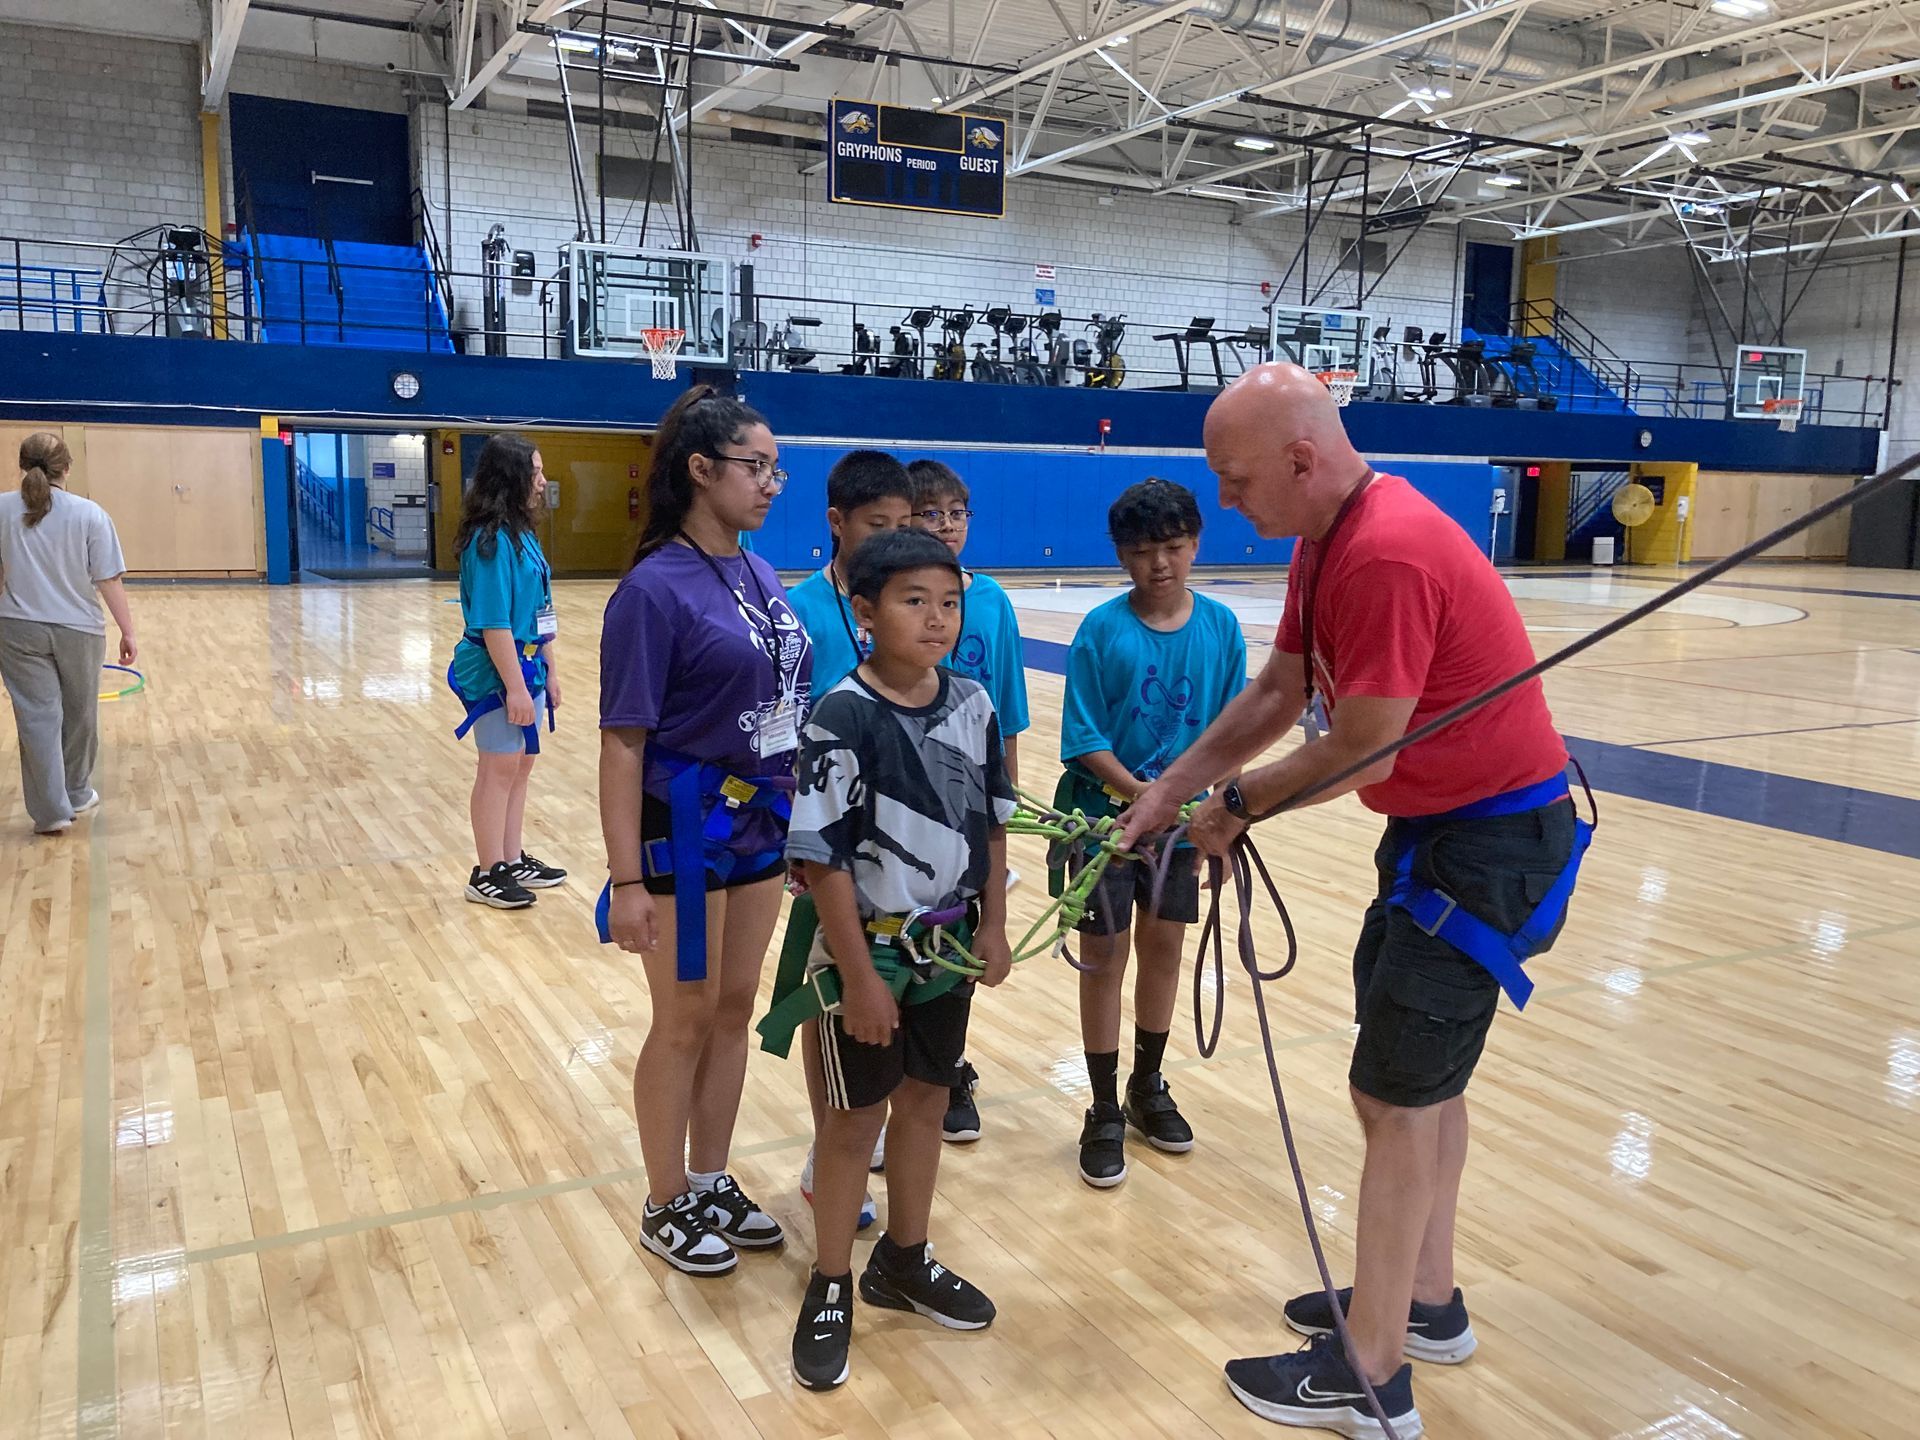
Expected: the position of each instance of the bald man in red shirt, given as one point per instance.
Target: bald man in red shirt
(1404, 618)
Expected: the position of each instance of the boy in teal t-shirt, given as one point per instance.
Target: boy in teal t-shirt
(989, 651)
(868, 491)
(1147, 672)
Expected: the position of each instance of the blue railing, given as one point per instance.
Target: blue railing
(75, 299)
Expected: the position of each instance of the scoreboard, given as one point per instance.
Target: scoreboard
(903, 159)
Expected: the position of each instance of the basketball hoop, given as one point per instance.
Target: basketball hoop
(1786, 411)
(1340, 382)
(662, 347)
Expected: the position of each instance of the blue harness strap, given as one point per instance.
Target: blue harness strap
(1441, 916)
(487, 704)
(703, 801)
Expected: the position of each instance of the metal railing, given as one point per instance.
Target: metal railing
(427, 237)
(127, 288)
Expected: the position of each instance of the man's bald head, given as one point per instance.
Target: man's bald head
(1275, 440)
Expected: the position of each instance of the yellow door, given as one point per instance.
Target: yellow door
(601, 484)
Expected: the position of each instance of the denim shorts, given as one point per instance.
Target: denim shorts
(1424, 1008)
(496, 735)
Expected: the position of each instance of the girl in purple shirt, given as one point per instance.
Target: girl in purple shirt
(704, 674)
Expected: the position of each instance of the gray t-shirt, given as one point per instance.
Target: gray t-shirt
(904, 798)
(47, 573)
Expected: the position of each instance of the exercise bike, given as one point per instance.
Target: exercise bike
(866, 351)
(906, 361)
(1025, 365)
(1104, 367)
(1059, 350)
(951, 362)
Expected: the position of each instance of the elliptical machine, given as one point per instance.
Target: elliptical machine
(951, 363)
(866, 351)
(1104, 367)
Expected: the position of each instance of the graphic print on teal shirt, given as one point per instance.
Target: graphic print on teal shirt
(989, 651)
(1148, 694)
(503, 591)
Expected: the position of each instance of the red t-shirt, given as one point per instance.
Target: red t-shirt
(1408, 604)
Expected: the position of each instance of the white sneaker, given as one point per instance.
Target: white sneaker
(1013, 877)
(59, 828)
(88, 805)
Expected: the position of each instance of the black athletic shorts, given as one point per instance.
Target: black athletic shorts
(1129, 883)
(929, 1044)
(656, 823)
(1424, 1008)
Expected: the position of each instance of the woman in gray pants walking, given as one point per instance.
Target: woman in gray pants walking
(56, 549)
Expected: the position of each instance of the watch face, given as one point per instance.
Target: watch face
(406, 385)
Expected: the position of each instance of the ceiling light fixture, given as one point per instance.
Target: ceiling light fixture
(1505, 182)
(1693, 137)
(1739, 9)
(1430, 92)
(1255, 142)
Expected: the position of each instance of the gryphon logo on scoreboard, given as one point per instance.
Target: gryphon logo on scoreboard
(857, 122)
(982, 138)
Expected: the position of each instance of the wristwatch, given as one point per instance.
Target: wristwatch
(1235, 802)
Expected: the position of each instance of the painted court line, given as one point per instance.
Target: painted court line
(495, 1199)
(96, 1386)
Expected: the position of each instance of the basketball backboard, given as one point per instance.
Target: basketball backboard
(1322, 339)
(612, 295)
(1766, 372)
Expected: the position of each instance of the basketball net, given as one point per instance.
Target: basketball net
(662, 347)
(1340, 382)
(1786, 411)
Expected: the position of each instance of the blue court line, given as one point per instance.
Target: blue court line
(1867, 818)
(1765, 734)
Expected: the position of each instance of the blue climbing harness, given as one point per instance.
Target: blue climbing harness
(703, 802)
(1441, 916)
(487, 704)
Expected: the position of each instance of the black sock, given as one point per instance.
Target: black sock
(1148, 1048)
(1103, 1073)
(895, 1256)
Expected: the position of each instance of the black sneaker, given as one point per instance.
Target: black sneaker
(732, 1216)
(498, 887)
(536, 874)
(1439, 1334)
(679, 1234)
(824, 1333)
(902, 1279)
(1315, 1388)
(1149, 1108)
(962, 1125)
(1103, 1146)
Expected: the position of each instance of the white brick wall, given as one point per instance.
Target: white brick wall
(100, 137)
(408, 456)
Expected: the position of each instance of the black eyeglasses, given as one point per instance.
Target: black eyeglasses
(934, 519)
(770, 477)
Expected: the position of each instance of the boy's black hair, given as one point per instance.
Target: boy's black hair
(934, 479)
(1153, 510)
(861, 477)
(895, 552)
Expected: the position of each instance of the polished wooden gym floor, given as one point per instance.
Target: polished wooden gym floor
(296, 1141)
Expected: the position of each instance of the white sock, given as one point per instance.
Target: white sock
(703, 1181)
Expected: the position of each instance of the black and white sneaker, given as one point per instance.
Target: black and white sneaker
(735, 1218)
(679, 1234)
(1149, 1108)
(536, 874)
(1103, 1146)
(1438, 1334)
(962, 1122)
(498, 887)
(897, 1278)
(824, 1333)
(1316, 1389)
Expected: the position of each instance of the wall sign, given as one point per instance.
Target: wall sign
(901, 159)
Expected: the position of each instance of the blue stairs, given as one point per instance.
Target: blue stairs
(386, 298)
(1561, 373)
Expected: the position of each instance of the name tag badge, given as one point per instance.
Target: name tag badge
(546, 624)
(780, 731)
